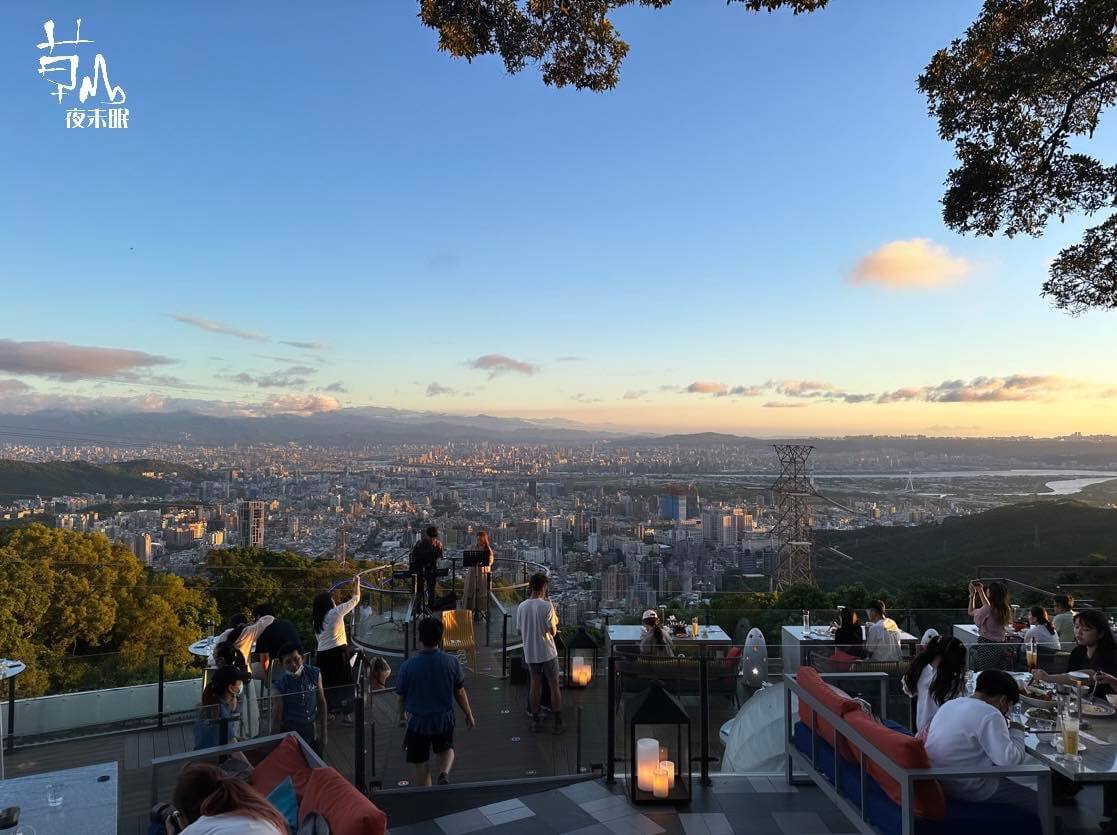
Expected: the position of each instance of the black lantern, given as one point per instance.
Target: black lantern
(658, 748)
(580, 658)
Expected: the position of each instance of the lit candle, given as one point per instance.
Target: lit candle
(660, 785)
(668, 767)
(663, 753)
(647, 762)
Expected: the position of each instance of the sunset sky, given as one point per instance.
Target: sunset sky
(313, 209)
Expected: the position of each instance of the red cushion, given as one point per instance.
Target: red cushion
(905, 751)
(829, 697)
(346, 810)
(841, 661)
(285, 760)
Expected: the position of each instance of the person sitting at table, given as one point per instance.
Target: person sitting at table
(655, 640)
(1095, 653)
(1064, 620)
(1042, 630)
(991, 614)
(211, 802)
(936, 675)
(882, 638)
(975, 733)
(849, 637)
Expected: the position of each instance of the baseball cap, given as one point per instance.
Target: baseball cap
(650, 613)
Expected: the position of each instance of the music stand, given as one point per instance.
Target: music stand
(472, 559)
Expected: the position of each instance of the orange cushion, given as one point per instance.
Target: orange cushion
(285, 760)
(346, 810)
(905, 751)
(829, 697)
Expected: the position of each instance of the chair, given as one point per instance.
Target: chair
(457, 637)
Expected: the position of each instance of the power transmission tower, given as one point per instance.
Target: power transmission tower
(792, 530)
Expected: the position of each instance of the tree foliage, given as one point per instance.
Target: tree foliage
(82, 612)
(1029, 78)
(573, 41)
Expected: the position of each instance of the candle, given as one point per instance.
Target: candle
(660, 786)
(669, 768)
(663, 753)
(647, 762)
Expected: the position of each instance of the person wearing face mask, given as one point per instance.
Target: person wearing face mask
(219, 703)
(299, 704)
(976, 734)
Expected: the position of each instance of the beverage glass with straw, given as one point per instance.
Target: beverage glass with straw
(1030, 652)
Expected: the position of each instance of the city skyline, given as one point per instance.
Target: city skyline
(744, 237)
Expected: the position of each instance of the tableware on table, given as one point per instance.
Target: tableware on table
(1112, 699)
(1068, 740)
(54, 795)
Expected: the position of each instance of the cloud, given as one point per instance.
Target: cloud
(746, 391)
(669, 388)
(13, 386)
(497, 364)
(306, 346)
(218, 327)
(706, 387)
(300, 404)
(802, 388)
(293, 377)
(773, 404)
(634, 394)
(916, 263)
(63, 361)
(335, 386)
(1014, 388)
(570, 359)
(584, 398)
(436, 390)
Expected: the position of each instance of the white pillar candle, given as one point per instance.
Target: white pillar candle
(660, 787)
(647, 762)
(669, 767)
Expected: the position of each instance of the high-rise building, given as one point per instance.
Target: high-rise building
(555, 549)
(141, 547)
(250, 519)
(341, 544)
(673, 507)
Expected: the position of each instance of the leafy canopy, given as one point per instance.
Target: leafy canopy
(1029, 78)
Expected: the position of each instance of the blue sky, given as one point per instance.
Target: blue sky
(323, 174)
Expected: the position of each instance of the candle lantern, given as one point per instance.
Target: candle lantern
(579, 658)
(658, 736)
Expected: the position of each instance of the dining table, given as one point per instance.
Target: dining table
(1096, 761)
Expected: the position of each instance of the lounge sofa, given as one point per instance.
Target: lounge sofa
(318, 787)
(881, 777)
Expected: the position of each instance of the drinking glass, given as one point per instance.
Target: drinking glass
(54, 795)
(1069, 728)
(1030, 652)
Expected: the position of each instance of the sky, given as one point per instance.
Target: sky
(312, 208)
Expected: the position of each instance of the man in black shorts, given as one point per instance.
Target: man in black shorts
(429, 683)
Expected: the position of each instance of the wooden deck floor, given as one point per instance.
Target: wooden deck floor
(501, 747)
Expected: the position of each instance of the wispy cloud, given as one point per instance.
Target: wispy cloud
(585, 398)
(300, 404)
(293, 377)
(746, 391)
(63, 361)
(570, 359)
(775, 404)
(218, 327)
(497, 364)
(706, 387)
(437, 390)
(13, 386)
(915, 263)
(634, 394)
(306, 346)
(335, 387)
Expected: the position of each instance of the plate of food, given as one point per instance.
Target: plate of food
(1034, 696)
(1042, 713)
(1097, 709)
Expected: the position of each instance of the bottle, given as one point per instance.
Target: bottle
(694, 628)
(806, 621)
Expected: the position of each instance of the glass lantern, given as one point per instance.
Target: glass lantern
(659, 761)
(580, 658)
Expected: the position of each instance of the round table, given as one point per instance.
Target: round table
(9, 669)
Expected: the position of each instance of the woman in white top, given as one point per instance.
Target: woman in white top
(936, 675)
(333, 649)
(1042, 630)
(213, 803)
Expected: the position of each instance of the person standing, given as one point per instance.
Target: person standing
(242, 636)
(214, 724)
(423, 563)
(476, 589)
(428, 685)
(333, 649)
(278, 634)
(882, 638)
(991, 615)
(1064, 620)
(299, 704)
(537, 622)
